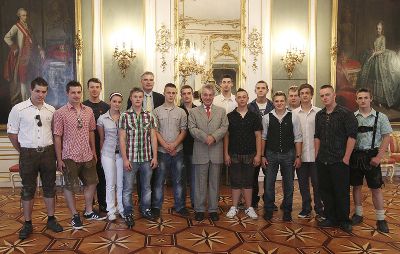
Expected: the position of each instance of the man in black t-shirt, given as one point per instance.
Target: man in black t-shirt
(99, 107)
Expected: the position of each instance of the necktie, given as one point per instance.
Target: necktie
(148, 103)
(208, 111)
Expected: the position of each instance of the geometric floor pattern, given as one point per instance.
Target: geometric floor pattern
(175, 234)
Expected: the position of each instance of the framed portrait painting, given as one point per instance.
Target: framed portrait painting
(38, 39)
(368, 53)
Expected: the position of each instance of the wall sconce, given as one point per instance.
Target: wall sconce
(292, 57)
(123, 57)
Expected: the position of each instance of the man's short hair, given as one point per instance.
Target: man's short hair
(293, 89)
(170, 85)
(364, 90)
(226, 76)
(40, 82)
(73, 83)
(209, 87)
(94, 80)
(146, 73)
(263, 82)
(304, 86)
(242, 90)
(186, 87)
(136, 90)
(327, 86)
(278, 93)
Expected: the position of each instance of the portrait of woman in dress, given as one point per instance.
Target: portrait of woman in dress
(381, 71)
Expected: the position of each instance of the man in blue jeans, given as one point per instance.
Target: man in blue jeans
(170, 134)
(138, 147)
(281, 146)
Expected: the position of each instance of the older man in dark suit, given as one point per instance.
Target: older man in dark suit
(207, 124)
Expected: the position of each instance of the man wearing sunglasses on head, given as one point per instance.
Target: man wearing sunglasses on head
(74, 141)
(30, 132)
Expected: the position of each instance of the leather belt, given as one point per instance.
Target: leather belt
(39, 149)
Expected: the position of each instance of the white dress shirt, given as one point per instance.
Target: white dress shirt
(307, 122)
(229, 104)
(295, 121)
(22, 121)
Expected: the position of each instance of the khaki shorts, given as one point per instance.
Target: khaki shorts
(75, 171)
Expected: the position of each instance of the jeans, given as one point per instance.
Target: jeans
(174, 164)
(285, 162)
(113, 171)
(189, 169)
(129, 178)
(307, 171)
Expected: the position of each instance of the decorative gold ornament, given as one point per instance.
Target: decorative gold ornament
(292, 57)
(255, 46)
(123, 57)
(334, 49)
(226, 51)
(191, 61)
(163, 44)
(78, 43)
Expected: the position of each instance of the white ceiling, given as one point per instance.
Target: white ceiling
(211, 9)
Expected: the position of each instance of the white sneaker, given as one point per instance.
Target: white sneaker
(232, 212)
(112, 217)
(251, 213)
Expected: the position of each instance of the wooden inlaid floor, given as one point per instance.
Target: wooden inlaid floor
(174, 234)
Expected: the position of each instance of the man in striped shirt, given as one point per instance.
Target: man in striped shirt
(138, 144)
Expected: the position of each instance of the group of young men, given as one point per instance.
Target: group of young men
(333, 147)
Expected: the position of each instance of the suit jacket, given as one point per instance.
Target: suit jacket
(158, 100)
(200, 127)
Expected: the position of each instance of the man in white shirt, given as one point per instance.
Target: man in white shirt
(308, 170)
(29, 129)
(226, 99)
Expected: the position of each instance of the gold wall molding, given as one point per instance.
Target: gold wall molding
(163, 44)
(234, 23)
(78, 41)
(334, 50)
(333, 40)
(255, 46)
(226, 51)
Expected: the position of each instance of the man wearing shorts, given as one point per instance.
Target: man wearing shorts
(29, 130)
(74, 126)
(372, 141)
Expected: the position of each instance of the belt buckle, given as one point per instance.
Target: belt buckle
(40, 149)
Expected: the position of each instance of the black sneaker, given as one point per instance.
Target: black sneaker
(76, 222)
(304, 215)
(147, 214)
(129, 221)
(213, 216)
(54, 226)
(287, 216)
(320, 216)
(356, 219)
(382, 226)
(199, 216)
(25, 231)
(156, 212)
(267, 215)
(346, 227)
(184, 212)
(326, 224)
(94, 216)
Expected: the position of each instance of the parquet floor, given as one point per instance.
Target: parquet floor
(174, 234)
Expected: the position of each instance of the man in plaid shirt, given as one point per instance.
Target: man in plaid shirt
(138, 144)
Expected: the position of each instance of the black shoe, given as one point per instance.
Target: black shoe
(267, 215)
(320, 216)
(304, 214)
(25, 231)
(214, 216)
(356, 219)
(199, 216)
(382, 226)
(76, 222)
(346, 227)
(287, 216)
(147, 214)
(326, 224)
(129, 221)
(275, 208)
(156, 212)
(103, 209)
(184, 212)
(93, 216)
(54, 226)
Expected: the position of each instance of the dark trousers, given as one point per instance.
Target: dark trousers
(334, 187)
(101, 186)
(307, 172)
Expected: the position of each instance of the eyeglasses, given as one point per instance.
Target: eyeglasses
(80, 124)
(39, 123)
